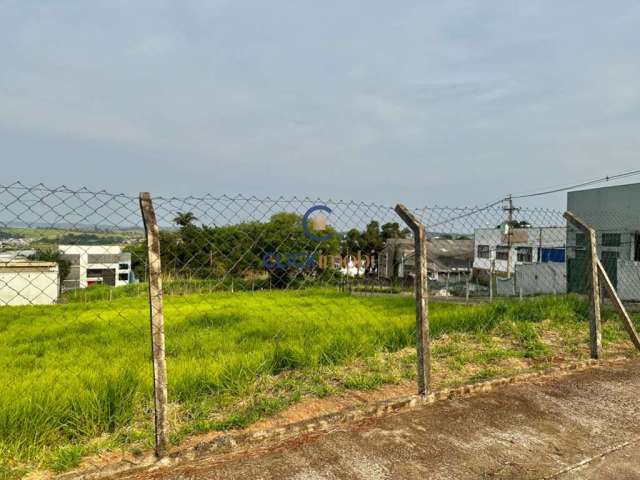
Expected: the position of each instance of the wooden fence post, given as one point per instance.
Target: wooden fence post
(619, 306)
(423, 343)
(595, 327)
(491, 279)
(152, 232)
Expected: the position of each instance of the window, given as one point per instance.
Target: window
(581, 239)
(525, 254)
(609, 257)
(555, 255)
(502, 252)
(483, 251)
(123, 266)
(94, 272)
(611, 239)
(124, 277)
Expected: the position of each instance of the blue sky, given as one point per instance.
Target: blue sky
(450, 103)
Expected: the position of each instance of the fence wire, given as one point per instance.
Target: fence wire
(269, 300)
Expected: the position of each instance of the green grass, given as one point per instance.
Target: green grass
(76, 378)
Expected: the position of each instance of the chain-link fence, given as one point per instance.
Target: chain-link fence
(74, 324)
(267, 301)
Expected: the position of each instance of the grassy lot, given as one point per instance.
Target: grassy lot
(76, 378)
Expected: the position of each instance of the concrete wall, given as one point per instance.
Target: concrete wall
(629, 280)
(534, 279)
(505, 287)
(609, 209)
(541, 278)
(29, 286)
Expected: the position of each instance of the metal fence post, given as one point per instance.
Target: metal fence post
(595, 327)
(423, 343)
(152, 232)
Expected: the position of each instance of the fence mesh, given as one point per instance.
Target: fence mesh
(74, 353)
(267, 301)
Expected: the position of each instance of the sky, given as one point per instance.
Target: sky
(449, 103)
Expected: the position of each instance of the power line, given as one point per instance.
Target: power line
(583, 184)
(465, 215)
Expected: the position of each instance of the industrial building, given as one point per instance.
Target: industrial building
(614, 213)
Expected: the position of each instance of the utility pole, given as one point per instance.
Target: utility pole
(509, 208)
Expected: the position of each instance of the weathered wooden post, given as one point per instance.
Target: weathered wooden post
(152, 232)
(595, 326)
(423, 343)
(491, 280)
(619, 306)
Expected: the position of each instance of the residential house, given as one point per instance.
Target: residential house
(96, 264)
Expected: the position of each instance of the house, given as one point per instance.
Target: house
(12, 242)
(446, 258)
(28, 282)
(502, 249)
(614, 213)
(96, 264)
(10, 255)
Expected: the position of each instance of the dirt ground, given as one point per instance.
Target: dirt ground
(582, 426)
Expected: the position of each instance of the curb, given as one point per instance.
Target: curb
(243, 441)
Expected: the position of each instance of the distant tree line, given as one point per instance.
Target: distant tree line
(246, 248)
(83, 239)
(7, 235)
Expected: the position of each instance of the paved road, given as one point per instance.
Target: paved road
(582, 426)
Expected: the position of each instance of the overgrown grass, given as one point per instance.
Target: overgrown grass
(76, 378)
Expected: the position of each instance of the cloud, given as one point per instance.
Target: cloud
(450, 101)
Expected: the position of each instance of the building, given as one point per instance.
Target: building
(11, 255)
(501, 251)
(446, 258)
(14, 242)
(96, 264)
(28, 282)
(614, 212)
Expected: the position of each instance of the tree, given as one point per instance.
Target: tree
(371, 239)
(64, 266)
(392, 230)
(516, 224)
(183, 219)
(353, 242)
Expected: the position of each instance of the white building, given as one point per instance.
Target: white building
(506, 250)
(96, 264)
(27, 282)
(613, 213)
